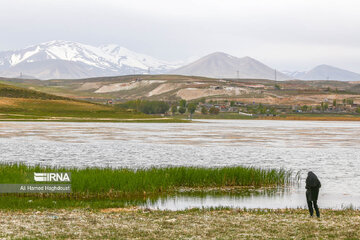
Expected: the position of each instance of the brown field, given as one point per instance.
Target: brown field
(39, 103)
(175, 87)
(134, 223)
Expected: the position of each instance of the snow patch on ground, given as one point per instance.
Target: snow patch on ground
(163, 88)
(194, 93)
(89, 85)
(115, 87)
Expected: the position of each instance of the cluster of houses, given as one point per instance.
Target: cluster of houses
(242, 108)
(338, 108)
(250, 108)
(223, 107)
(235, 107)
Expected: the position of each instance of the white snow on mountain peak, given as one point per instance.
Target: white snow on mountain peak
(105, 60)
(130, 58)
(68, 59)
(19, 57)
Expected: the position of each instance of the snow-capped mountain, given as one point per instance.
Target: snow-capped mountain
(66, 59)
(126, 57)
(222, 65)
(69, 60)
(325, 72)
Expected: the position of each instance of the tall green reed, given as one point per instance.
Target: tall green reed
(152, 180)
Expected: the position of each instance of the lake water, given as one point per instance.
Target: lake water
(330, 149)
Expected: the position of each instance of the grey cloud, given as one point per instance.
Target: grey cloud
(285, 34)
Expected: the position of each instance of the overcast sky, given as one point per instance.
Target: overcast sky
(284, 34)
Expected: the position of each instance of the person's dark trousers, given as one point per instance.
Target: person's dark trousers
(311, 203)
(311, 210)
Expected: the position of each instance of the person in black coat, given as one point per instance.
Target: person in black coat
(312, 192)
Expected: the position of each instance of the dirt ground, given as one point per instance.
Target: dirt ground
(133, 223)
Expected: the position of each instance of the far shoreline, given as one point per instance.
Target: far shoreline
(185, 120)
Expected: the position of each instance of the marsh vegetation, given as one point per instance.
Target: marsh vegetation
(118, 187)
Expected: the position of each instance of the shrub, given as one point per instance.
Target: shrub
(182, 103)
(173, 109)
(191, 108)
(147, 107)
(204, 110)
(182, 110)
(214, 111)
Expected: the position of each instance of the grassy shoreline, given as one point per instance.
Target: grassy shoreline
(27, 118)
(96, 120)
(9, 118)
(132, 223)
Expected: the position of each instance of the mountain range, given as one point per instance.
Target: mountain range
(72, 60)
(65, 59)
(222, 65)
(325, 72)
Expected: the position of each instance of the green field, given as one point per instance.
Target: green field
(22, 104)
(98, 187)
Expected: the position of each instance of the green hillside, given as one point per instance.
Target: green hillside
(18, 103)
(9, 91)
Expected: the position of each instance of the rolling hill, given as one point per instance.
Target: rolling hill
(172, 88)
(24, 104)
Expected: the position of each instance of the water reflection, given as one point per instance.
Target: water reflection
(276, 198)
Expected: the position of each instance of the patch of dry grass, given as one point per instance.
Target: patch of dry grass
(195, 224)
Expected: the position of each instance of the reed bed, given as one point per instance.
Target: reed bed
(152, 180)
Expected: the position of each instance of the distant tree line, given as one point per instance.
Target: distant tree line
(260, 109)
(145, 106)
(183, 106)
(161, 107)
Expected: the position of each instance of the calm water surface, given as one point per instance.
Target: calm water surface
(330, 149)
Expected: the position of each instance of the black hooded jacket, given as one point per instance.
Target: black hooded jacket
(312, 185)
